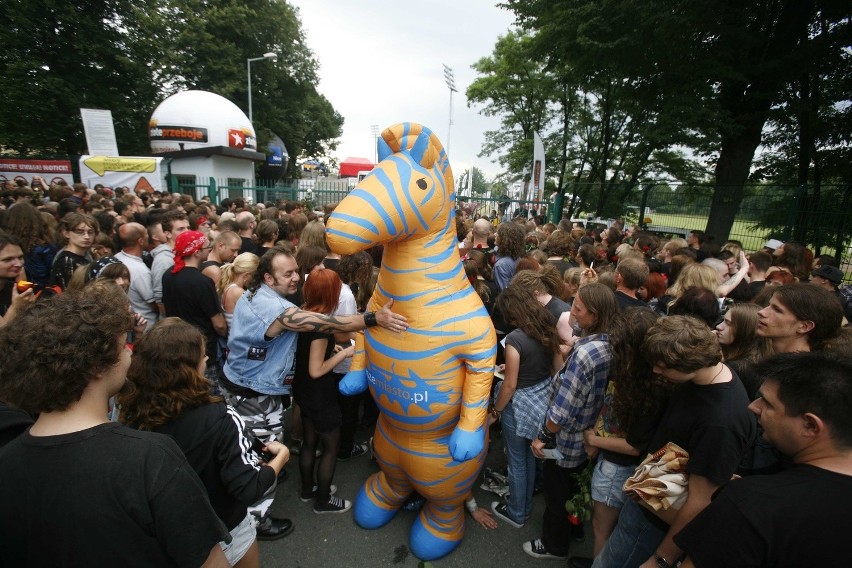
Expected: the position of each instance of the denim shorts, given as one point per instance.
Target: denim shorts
(242, 537)
(607, 482)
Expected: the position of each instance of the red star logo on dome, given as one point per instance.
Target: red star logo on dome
(236, 139)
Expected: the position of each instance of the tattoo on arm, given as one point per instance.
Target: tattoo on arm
(295, 319)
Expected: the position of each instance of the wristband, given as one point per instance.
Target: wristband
(470, 505)
(548, 437)
(370, 319)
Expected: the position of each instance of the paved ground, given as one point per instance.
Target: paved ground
(335, 540)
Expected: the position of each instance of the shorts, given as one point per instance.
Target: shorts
(242, 537)
(608, 482)
(263, 414)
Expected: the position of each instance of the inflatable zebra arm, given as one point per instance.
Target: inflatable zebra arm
(355, 381)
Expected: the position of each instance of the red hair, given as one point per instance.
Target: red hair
(322, 291)
(655, 285)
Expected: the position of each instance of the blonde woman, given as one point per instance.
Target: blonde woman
(235, 277)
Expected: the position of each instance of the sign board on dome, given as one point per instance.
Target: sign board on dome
(199, 119)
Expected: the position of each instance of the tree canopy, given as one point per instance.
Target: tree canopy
(687, 90)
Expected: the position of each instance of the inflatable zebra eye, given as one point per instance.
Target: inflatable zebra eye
(422, 183)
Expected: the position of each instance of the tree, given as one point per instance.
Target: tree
(726, 62)
(513, 86)
(60, 56)
(127, 57)
(213, 40)
(480, 185)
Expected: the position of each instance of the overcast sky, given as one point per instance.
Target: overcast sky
(381, 63)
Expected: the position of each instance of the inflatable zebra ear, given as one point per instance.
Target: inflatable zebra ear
(420, 145)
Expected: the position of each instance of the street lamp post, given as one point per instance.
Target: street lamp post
(271, 55)
(450, 79)
(374, 129)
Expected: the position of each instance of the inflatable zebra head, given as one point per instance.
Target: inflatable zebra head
(410, 193)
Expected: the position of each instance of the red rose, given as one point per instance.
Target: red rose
(574, 520)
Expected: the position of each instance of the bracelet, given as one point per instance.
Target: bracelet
(470, 505)
(662, 562)
(370, 319)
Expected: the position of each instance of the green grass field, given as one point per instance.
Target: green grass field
(752, 240)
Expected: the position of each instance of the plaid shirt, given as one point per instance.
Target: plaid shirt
(578, 395)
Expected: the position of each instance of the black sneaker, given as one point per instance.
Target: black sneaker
(536, 549)
(357, 450)
(501, 510)
(306, 498)
(334, 505)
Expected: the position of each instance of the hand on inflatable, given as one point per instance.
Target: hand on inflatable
(354, 382)
(466, 445)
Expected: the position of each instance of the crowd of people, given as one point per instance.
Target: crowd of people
(180, 331)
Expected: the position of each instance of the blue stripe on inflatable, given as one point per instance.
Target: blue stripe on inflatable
(360, 221)
(387, 184)
(441, 276)
(349, 236)
(441, 256)
(450, 299)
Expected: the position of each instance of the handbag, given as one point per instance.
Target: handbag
(661, 482)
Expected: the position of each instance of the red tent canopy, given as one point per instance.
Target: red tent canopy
(351, 166)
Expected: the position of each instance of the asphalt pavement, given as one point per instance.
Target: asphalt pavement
(336, 541)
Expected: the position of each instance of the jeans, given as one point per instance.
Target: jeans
(634, 540)
(521, 468)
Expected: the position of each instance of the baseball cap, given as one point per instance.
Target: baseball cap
(772, 244)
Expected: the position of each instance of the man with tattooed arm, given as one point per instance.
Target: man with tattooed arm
(261, 354)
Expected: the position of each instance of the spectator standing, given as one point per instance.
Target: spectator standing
(191, 296)
(795, 517)
(171, 396)
(262, 345)
(226, 246)
(574, 406)
(707, 416)
(134, 239)
(79, 231)
(173, 223)
(54, 476)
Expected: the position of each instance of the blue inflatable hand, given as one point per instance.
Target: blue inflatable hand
(466, 445)
(354, 382)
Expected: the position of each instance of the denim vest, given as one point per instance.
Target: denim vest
(263, 366)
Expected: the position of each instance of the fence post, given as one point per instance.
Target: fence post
(213, 191)
(793, 214)
(644, 204)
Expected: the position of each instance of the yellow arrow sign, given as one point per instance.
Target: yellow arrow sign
(101, 164)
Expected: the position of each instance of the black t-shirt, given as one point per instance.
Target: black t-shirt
(712, 423)
(108, 495)
(536, 361)
(557, 307)
(214, 441)
(794, 518)
(248, 245)
(191, 296)
(625, 301)
(5, 295)
(13, 423)
(64, 265)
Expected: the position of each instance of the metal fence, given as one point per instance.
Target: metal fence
(817, 216)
